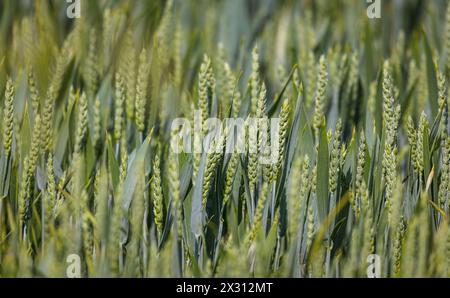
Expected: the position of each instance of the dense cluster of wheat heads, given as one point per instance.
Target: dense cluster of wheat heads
(363, 166)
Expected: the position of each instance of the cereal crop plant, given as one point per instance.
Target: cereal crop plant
(348, 160)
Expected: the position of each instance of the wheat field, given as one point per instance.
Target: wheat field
(89, 176)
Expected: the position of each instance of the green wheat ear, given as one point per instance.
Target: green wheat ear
(230, 88)
(212, 160)
(47, 118)
(335, 157)
(361, 164)
(49, 196)
(174, 188)
(284, 122)
(130, 74)
(298, 192)
(8, 117)
(158, 207)
(422, 130)
(230, 176)
(442, 102)
(28, 170)
(254, 80)
(205, 86)
(34, 92)
(119, 101)
(412, 139)
(252, 165)
(444, 186)
(82, 123)
(319, 100)
(258, 216)
(92, 65)
(141, 90)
